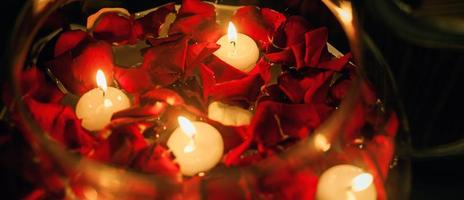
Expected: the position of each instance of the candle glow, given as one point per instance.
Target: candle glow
(237, 49)
(97, 106)
(197, 146)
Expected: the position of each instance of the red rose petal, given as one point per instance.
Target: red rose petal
(316, 41)
(264, 70)
(62, 124)
(246, 89)
(223, 71)
(197, 53)
(166, 62)
(152, 21)
(259, 24)
(295, 28)
(68, 40)
(133, 80)
(208, 80)
(311, 51)
(77, 68)
(157, 160)
(113, 27)
(198, 19)
(197, 7)
(274, 122)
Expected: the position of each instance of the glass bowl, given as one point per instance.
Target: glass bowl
(298, 171)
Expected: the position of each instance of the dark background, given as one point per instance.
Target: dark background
(429, 80)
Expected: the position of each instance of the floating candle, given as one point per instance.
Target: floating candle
(197, 146)
(238, 50)
(229, 115)
(96, 107)
(346, 182)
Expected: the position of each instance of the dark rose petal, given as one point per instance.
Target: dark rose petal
(163, 95)
(286, 184)
(383, 147)
(157, 160)
(273, 122)
(198, 19)
(316, 42)
(233, 157)
(68, 40)
(312, 86)
(141, 111)
(368, 93)
(284, 57)
(62, 124)
(35, 85)
(391, 127)
(77, 68)
(336, 64)
(207, 79)
(227, 187)
(264, 70)
(354, 123)
(259, 24)
(340, 89)
(246, 89)
(232, 136)
(166, 62)
(223, 71)
(122, 146)
(312, 50)
(197, 53)
(304, 89)
(152, 22)
(133, 80)
(295, 28)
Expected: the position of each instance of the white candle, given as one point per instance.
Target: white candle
(346, 182)
(229, 115)
(197, 146)
(96, 106)
(238, 50)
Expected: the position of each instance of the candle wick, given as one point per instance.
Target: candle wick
(103, 91)
(234, 48)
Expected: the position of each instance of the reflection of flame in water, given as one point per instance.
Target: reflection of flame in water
(345, 12)
(321, 143)
(361, 182)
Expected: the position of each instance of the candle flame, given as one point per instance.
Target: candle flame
(187, 126)
(362, 182)
(101, 80)
(232, 33)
